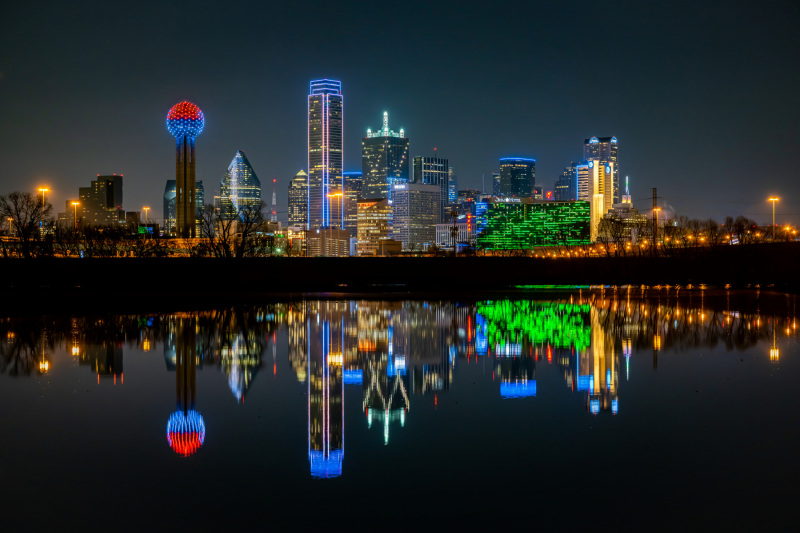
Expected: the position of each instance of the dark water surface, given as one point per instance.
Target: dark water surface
(606, 410)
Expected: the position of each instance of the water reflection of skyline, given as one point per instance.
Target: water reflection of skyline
(393, 351)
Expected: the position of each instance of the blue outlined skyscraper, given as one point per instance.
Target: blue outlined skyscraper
(325, 206)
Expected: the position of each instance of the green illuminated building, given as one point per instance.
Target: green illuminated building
(522, 223)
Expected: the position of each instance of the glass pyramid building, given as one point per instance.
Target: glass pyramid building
(240, 189)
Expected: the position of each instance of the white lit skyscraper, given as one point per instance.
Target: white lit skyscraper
(325, 206)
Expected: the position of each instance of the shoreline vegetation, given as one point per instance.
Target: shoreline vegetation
(93, 281)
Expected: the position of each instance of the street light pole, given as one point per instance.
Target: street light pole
(75, 206)
(773, 200)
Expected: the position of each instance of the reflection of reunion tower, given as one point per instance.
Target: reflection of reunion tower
(185, 122)
(186, 429)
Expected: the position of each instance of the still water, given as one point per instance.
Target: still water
(607, 410)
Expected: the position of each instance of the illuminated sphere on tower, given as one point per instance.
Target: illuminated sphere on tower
(185, 119)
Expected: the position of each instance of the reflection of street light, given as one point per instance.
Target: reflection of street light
(44, 365)
(773, 200)
(145, 209)
(75, 206)
(774, 353)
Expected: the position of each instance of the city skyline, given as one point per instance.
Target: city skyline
(690, 87)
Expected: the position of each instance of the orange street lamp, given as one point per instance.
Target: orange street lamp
(75, 206)
(145, 209)
(43, 190)
(773, 200)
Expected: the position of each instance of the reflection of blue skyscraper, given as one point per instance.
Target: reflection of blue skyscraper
(325, 399)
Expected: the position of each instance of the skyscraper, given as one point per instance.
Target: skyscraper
(452, 186)
(185, 122)
(434, 171)
(325, 154)
(298, 200)
(495, 184)
(599, 189)
(517, 176)
(240, 188)
(353, 185)
(604, 149)
(415, 213)
(384, 155)
(566, 186)
(582, 172)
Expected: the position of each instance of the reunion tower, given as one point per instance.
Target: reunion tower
(185, 122)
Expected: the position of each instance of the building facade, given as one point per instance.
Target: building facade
(170, 212)
(100, 204)
(374, 225)
(298, 200)
(521, 224)
(384, 155)
(325, 114)
(605, 150)
(496, 184)
(327, 242)
(240, 189)
(434, 171)
(517, 176)
(465, 234)
(353, 185)
(566, 186)
(415, 213)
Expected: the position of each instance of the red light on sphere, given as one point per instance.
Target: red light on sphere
(185, 444)
(185, 119)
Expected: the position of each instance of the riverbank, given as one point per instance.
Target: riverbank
(199, 279)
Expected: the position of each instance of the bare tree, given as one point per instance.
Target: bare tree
(28, 214)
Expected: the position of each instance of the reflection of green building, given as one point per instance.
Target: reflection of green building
(524, 323)
(522, 223)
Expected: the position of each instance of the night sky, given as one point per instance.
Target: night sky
(703, 96)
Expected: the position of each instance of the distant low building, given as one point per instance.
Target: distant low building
(327, 242)
(466, 234)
